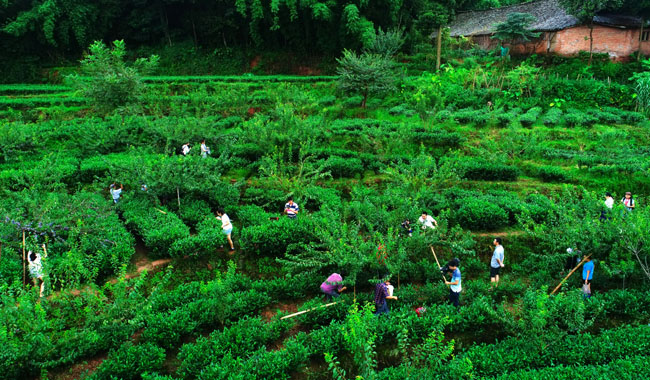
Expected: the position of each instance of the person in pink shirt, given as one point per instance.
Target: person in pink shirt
(333, 286)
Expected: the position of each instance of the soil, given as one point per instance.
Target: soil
(77, 370)
(271, 311)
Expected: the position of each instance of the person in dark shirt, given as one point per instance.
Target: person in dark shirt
(381, 295)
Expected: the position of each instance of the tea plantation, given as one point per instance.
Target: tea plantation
(146, 288)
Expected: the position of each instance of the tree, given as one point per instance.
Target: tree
(365, 74)
(109, 82)
(515, 29)
(640, 8)
(585, 10)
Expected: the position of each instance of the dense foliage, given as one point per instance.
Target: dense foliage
(144, 289)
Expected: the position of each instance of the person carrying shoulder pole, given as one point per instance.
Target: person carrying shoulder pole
(497, 262)
(332, 286)
(455, 284)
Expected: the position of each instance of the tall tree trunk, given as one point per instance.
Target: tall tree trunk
(638, 56)
(438, 47)
(365, 97)
(196, 41)
(591, 43)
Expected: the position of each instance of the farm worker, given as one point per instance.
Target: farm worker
(185, 149)
(291, 208)
(226, 226)
(628, 201)
(115, 192)
(609, 204)
(332, 286)
(204, 149)
(381, 295)
(455, 283)
(36, 268)
(497, 261)
(587, 275)
(406, 225)
(573, 259)
(427, 221)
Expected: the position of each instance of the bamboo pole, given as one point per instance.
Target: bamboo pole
(437, 262)
(307, 311)
(159, 210)
(24, 267)
(178, 197)
(569, 275)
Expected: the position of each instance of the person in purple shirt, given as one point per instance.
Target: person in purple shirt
(333, 286)
(381, 295)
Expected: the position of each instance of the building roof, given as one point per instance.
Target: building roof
(549, 16)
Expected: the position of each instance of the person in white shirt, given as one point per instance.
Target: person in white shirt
(497, 262)
(204, 149)
(427, 221)
(185, 149)
(36, 268)
(115, 192)
(226, 226)
(609, 204)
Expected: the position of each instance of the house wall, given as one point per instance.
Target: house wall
(618, 43)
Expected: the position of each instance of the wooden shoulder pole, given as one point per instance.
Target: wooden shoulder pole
(569, 275)
(307, 311)
(24, 268)
(437, 262)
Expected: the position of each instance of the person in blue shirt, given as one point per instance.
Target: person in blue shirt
(587, 275)
(455, 283)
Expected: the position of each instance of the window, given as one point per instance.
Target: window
(645, 36)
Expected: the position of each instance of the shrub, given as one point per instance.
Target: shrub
(343, 167)
(530, 117)
(488, 171)
(273, 238)
(468, 115)
(194, 211)
(550, 173)
(574, 117)
(112, 83)
(481, 214)
(552, 117)
(130, 362)
(159, 228)
(505, 118)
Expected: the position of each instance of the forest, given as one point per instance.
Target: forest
(164, 224)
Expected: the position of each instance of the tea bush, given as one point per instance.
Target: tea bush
(550, 173)
(130, 362)
(530, 117)
(488, 171)
(273, 237)
(158, 227)
(481, 214)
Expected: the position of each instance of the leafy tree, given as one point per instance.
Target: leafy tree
(515, 29)
(111, 83)
(640, 8)
(585, 12)
(365, 74)
(386, 43)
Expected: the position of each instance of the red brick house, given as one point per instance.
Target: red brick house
(614, 34)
